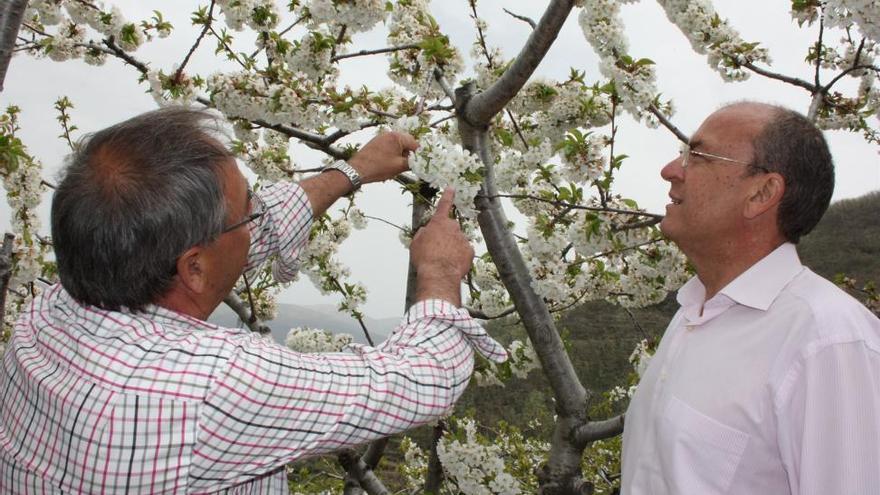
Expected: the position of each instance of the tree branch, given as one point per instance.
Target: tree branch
(527, 20)
(780, 77)
(598, 430)
(365, 477)
(564, 461)
(668, 124)
(244, 314)
(486, 105)
(376, 51)
(476, 313)
(563, 204)
(198, 41)
(11, 16)
(5, 270)
(434, 476)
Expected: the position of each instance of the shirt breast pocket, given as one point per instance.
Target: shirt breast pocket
(698, 454)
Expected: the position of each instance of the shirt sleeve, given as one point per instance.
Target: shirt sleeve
(283, 231)
(829, 427)
(272, 405)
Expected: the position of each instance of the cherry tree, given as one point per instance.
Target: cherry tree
(514, 145)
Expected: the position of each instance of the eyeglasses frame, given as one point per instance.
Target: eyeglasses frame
(686, 151)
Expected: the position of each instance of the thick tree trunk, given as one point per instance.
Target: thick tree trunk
(562, 472)
(11, 15)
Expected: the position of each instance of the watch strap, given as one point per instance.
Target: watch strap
(348, 170)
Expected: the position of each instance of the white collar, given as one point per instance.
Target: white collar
(757, 287)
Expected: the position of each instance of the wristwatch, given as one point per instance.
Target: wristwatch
(346, 169)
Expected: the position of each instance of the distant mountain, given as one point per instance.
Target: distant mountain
(325, 317)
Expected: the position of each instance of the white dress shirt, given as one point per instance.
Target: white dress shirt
(772, 386)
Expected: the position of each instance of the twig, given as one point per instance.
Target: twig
(338, 40)
(668, 124)
(228, 49)
(563, 204)
(819, 48)
(638, 325)
(441, 120)
(358, 318)
(245, 315)
(116, 51)
(438, 75)
(780, 77)
(376, 51)
(825, 89)
(523, 18)
(491, 64)
(404, 229)
(280, 33)
(198, 41)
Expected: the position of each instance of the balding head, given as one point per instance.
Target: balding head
(792, 146)
(132, 198)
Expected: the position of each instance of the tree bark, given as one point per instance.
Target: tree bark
(486, 105)
(11, 15)
(5, 271)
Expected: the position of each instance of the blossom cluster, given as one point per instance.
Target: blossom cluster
(634, 80)
(324, 270)
(356, 15)
(22, 179)
(709, 34)
(641, 356)
(521, 360)
(259, 15)
(865, 14)
(71, 18)
(245, 95)
(305, 340)
(443, 163)
(412, 24)
(475, 465)
(548, 110)
(268, 157)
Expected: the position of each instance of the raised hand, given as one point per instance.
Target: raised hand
(441, 255)
(384, 157)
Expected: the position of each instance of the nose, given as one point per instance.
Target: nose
(673, 170)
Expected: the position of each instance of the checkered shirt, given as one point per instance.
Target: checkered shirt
(158, 402)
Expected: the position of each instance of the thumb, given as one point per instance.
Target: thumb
(444, 206)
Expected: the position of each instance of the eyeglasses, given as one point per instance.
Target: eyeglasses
(257, 211)
(687, 151)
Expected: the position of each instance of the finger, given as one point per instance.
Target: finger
(407, 142)
(444, 205)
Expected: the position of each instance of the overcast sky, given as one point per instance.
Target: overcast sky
(103, 96)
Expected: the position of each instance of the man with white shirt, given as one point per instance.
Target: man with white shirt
(767, 380)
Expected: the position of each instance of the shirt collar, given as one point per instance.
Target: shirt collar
(756, 287)
(149, 317)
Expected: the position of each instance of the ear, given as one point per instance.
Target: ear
(191, 270)
(766, 193)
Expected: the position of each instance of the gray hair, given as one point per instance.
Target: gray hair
(794, 147)
(131, 200)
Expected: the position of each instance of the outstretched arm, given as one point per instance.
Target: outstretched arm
(383, 158)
